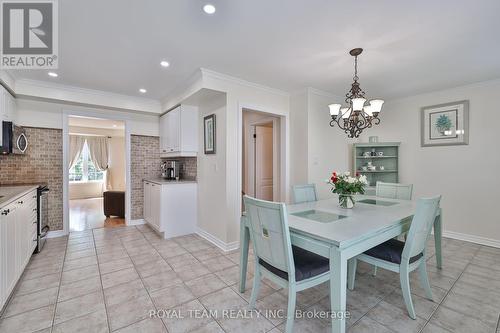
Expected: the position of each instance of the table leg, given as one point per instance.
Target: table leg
(338, 282)
(244, 243)
(438, 234)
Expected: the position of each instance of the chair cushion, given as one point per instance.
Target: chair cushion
(390, 251)
(307, 265)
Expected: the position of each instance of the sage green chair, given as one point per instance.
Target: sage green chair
(304, 193)
(394, 190)
(404, 257)
(276, 259)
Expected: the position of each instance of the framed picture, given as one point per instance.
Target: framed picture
(445, 124)
(209, 134)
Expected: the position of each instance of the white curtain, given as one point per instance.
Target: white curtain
(99, 154)
(76, 143)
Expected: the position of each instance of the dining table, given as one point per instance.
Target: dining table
(324, 228)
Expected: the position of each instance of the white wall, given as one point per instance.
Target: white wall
(211, 173)
(49, 115)
(327, 149)
(466, 176)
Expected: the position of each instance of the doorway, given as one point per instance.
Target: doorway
(96, 182)
(261, 155)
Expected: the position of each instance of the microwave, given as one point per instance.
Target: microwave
(14, 140)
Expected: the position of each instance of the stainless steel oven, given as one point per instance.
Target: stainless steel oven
(43, 216)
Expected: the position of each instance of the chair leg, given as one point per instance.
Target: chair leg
(404, 278)
(374, 270)
(256, 286)
(292, 296)
(353, 264)
(424, 279)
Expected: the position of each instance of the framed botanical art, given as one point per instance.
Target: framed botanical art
(445, 124)
(209, 134)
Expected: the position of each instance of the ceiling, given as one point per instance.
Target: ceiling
(410, 47)
(90, 122)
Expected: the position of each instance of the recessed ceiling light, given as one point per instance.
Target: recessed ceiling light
(115, 125)
(142, 91)
(53, 74)
(164, 63)
(209, 9)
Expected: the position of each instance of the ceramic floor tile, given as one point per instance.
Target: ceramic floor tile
(458, 322)
(80, 254)
(424, 308)
(157, 267)
(79, 263)
(79, 274)
(149, 325)
(395, 318)
(79, 306)
(37, 284)
(115, 265)
(124, 292)
(119, 277)
(191, 316)
(368, 325)
(79, 288)
(95, 322)
(187, 273)
(124, 314)
(274, 303)
(205, 285)
(30, 321)
(170, 297)
(218, 264)
(224, 299)
(24, 303)
(164, 280)
(470, 307)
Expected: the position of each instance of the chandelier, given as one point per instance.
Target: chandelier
(355, 116)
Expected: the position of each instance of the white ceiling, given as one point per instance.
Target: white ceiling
(410, 46)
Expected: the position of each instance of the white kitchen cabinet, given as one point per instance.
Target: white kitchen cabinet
(171, 207)
(179, 132)
(16, 241)
(7, 109)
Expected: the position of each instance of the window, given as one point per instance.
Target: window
(84, 170)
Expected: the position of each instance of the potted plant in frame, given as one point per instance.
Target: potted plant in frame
(347, 186)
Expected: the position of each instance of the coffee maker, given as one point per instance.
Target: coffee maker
(170, 170)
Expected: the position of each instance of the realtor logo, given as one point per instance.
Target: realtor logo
(29, 34)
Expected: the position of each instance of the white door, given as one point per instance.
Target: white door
(147, 202)
(155, 204)
(163, 133)
(174, 129)
(264, 162)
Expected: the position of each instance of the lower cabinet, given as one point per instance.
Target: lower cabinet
(18, 231)
(171, 208)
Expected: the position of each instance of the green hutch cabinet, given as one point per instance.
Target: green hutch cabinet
(378, 161)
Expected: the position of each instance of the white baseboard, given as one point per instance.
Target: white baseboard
(136, 222)
(56, 233)
(473, 239)
(217, 242)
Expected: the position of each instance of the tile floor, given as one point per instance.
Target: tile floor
(89, 214)
(106, 280)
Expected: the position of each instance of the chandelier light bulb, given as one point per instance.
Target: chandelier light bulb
(368, 110)
(334, 109)
(376, 105)
(358, 103)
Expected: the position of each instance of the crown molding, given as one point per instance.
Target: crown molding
(7, 80)
(34, 89)
(189, 87)
(207, 73)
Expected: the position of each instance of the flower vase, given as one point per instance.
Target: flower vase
(346, 201)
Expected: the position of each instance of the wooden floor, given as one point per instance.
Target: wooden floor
(87, 214)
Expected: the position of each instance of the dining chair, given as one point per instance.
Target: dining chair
(276, 259)
(394, 190)
(304, 193)
(404, 257)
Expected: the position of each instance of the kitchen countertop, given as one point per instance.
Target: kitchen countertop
(11, 193)
(162, 181)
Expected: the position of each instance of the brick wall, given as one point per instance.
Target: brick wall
(42, 163)
(145, 163)
(187, 166)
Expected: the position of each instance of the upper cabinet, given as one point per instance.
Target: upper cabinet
(179, 132)
(7, 108)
